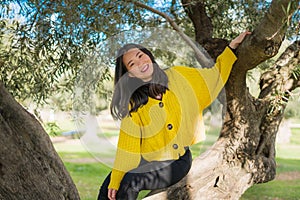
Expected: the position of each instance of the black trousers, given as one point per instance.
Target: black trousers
(149, 176)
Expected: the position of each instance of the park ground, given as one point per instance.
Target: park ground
(88, 171)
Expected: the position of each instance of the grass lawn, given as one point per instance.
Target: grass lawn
(88, 173)
(286, 185)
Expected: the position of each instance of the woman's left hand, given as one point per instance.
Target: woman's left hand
(238, 40)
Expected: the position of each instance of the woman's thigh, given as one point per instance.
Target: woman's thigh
(158, 174)
(150, 176)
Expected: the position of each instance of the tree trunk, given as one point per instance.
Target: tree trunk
(30, 168)
(244, 154)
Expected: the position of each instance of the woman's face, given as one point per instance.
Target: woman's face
(138, 64)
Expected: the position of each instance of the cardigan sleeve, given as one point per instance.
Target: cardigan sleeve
(208, 82)
(128, 151)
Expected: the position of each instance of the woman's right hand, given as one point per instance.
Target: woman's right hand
(112, 193)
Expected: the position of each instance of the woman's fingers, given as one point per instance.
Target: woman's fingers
(112, 194)
(239, 39)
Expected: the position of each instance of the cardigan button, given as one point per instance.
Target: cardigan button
(161, 104)
(170, 126)
(175, 146)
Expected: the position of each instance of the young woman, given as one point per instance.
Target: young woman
(161, 116)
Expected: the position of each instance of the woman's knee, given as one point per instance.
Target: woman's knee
(130, 186)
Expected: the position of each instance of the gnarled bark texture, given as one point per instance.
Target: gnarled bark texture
(30, 168)
(245, 151)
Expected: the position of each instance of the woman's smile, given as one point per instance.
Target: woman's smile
(145, 68)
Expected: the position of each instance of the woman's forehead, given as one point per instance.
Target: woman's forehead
(130, 53)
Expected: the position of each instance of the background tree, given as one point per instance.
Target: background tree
(43, 53)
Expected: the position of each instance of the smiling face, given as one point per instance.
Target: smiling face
(138, 64)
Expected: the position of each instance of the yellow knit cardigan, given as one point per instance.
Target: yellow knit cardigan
(161, 129)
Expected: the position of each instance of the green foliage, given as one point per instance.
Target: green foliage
(29, 68)
(277, 103)
(52, 128)
(296, 72)
(231, 17)
(93, 87)
(44, 45)
(38, 63)
(292, 21)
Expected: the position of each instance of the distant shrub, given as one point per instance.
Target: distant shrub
(52, 129)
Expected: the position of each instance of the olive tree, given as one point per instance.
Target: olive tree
(43, 51)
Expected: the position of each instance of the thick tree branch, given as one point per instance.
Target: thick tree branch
(260, 46)
(202, 23)
(267, 37)
(203, 27)
(279, 79)
(201, 56)
(276, 86)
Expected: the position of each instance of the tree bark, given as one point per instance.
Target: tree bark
(30, 168)
(244, 154)
(202, 23)
(203, 27)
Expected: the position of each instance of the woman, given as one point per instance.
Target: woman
(161, 116)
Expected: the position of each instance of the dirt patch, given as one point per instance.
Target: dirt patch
(288, 176)
(59, 139)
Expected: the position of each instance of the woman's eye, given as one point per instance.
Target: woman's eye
(140, 55)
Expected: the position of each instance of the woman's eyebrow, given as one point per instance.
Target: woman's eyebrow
(130, 61)
(136, 55)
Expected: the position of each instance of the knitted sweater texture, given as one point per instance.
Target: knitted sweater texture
(162, 128)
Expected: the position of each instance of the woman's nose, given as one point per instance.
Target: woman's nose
(138, 63)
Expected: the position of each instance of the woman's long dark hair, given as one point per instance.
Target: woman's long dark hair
(130, 93)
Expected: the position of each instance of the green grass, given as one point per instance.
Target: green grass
(291, 150)
(88, 173)
(295, 139)
(87, 177)
(274, 190)
(287, 165)
(286, 189)
(288, 160)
